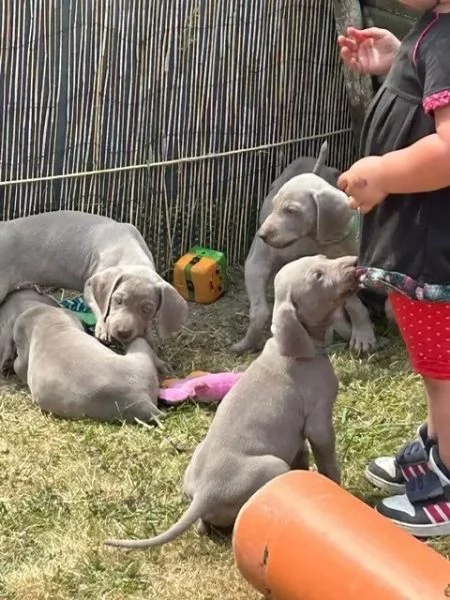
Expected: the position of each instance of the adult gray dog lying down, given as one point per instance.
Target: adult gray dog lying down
(108, 261)
(303, 214)
(69, 372)
(284, 398)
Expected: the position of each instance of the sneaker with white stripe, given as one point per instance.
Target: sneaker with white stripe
(390, 473)
(424, 509)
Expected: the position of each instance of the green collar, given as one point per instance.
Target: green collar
(353, 229)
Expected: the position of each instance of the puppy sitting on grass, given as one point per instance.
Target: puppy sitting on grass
(284, 399)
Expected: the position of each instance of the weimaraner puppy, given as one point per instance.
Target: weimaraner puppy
(108, 261)
(304, 214)
(71, 374)
(263, 260)
(284, 398)
(15, 304)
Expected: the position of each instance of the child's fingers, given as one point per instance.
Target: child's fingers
(342, 182)
(361, 35)
(353, 204)
(355, 34)
(350, 59)
(374, 33)
(346, 54)
(355, 64)
(346, 42)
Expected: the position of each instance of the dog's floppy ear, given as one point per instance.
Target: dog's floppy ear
(102, 286)
(289, 333)
(172, 310)
(333, 215)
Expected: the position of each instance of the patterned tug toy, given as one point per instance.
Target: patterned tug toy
(79, 306)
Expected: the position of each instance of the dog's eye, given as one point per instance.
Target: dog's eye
(291, 209)
(146, 309)
(118, 300)
(318, 275)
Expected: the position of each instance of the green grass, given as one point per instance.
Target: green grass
(66, 486)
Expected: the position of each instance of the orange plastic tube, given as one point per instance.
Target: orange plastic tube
(302, 537)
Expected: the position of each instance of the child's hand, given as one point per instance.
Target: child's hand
(363, 183)
(370, 51)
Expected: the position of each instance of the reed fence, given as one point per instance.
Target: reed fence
(210, 99)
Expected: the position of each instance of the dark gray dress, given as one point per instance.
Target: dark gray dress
(405, 240)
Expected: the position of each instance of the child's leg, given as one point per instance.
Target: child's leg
(438, 392)
(390, 473)
(431, 428)
(424, 508)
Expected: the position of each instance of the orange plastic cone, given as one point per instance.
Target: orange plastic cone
(302, 537)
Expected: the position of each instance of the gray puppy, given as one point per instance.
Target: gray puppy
(108, 261)
(263, 260)
(309, 216)
(70, 373)
(284, 398)
(14, 305)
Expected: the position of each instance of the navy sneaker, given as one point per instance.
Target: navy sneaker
(424, 509)
(391, 473)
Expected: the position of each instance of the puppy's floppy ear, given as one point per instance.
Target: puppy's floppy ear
(172, 310)
(289, 333)
(103, 285)
(333, 215)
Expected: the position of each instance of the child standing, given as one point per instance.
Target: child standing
(402, 187)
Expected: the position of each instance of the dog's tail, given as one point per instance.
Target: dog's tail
(322, 158)
(192, 514)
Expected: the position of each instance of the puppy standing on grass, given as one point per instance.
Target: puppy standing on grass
(264, 261)
(307, 215)
(284, 399)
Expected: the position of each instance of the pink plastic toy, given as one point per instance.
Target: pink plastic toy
(211, 387)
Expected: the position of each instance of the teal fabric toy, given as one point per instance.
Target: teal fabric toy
(87, 318)
(83, 311)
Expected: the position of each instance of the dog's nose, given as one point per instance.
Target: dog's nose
(124, 334)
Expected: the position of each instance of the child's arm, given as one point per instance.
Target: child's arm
(422, 167)
(425, 165)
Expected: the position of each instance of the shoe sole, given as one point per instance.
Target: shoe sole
(423, 531)
(382, 484)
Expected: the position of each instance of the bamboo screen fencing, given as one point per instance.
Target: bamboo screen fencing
(91, 85)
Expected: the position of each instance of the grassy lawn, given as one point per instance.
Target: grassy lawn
(66, 486)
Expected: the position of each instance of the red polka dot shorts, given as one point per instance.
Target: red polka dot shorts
(425, 327)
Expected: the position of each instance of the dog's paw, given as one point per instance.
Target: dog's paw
(245, 345)
(163, 367)
(102, 333)
(363, 340)
(239, 347)
(202, 527)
